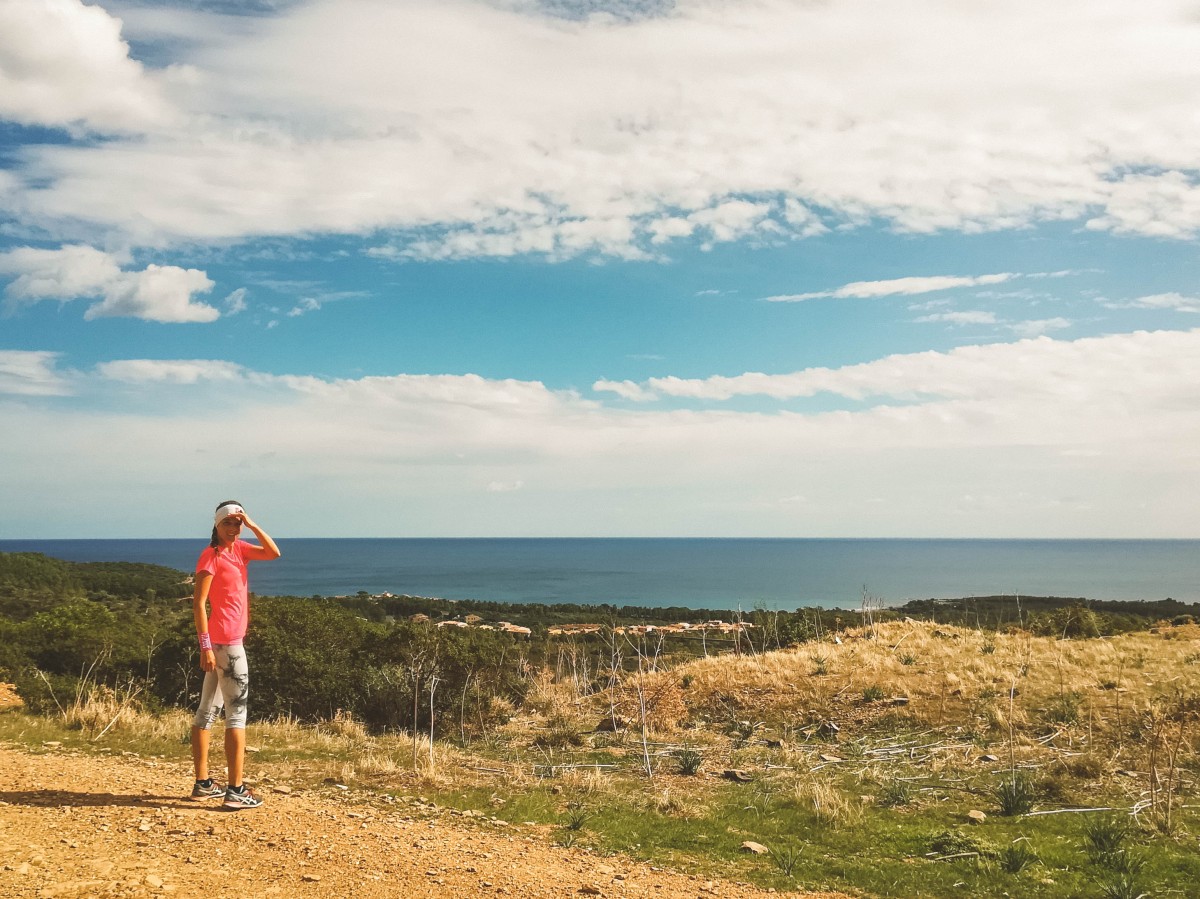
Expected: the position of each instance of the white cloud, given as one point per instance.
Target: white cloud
(163, 293)
(1165, 205)
(235, 302)
(1038, 366)
(1114, 420)
(170, 371)
(861, 290)
(1174, 300)
(961, 317)
(1037, 327)
(31, 373)
(1026, 328)
(628, 390)
(467, 129)
(805, 222)
(666, 229)
(160, 293)
(308, 304)
(64, 63)
(731, 220)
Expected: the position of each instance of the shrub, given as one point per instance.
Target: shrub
(895, 792)
(1121, 886)
(1065, 709)
(306, 659)
(71, 638)
(873, 693)
(689, 761)
(45, 694)
(1069, 622)
(1016, 794)
(786, 857)
(1016, 857)
(956, 842)
(576, 817)
(561, 732)
(1105, 833)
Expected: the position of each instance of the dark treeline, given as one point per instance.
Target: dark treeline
(1051, 615)
(70, 628)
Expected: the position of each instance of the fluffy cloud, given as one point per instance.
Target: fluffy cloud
(472, 129)
(1164, 205)
(162, 293)
(64, 63)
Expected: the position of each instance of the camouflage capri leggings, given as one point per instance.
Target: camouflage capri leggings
(233, 676)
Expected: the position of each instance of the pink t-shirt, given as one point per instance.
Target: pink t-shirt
(227, 594)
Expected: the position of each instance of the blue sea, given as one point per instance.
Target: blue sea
(696, 573)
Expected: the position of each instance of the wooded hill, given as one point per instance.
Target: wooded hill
(68, 627)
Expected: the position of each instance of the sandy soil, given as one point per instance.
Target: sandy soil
(77, 826)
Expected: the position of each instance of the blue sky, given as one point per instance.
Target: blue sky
(462, 268)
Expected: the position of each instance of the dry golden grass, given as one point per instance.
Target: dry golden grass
(342, 750)
(953, 690)
(657, 697)
(674, 803)
(825, 797)
(551, 698)
(949, 675)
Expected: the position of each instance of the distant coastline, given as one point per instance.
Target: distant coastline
(698, 573)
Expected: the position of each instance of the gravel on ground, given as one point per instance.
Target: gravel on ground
(75, 826)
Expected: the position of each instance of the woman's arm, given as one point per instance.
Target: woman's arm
(263, 553)
(208, 659)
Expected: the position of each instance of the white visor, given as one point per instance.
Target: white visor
(226, 510)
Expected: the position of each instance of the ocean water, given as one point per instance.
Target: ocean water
(697, 573)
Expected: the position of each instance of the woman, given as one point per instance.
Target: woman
(221, 582)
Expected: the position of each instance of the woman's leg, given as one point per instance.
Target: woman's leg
(235, 687)
(205, 713)
(235, 753)
(200, 751)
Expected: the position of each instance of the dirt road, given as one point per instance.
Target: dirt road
(76, 826)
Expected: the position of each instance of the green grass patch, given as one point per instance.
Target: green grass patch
(885, 852)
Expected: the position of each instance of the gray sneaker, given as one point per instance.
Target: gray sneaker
(236, 801)
(211, 791)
